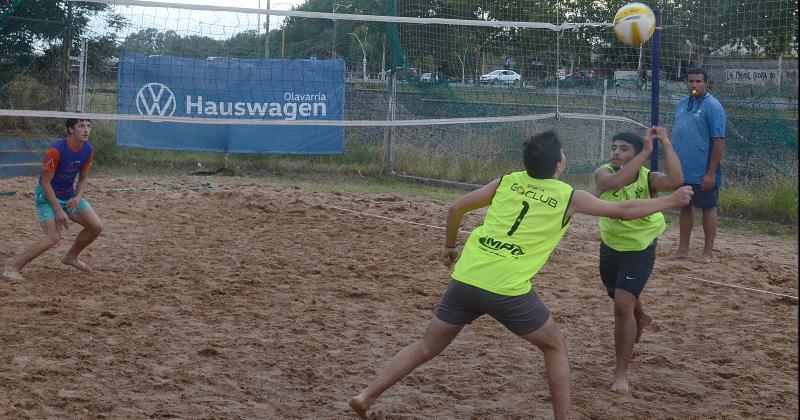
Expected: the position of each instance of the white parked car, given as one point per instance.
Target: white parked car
(501, 76)
(426, 77)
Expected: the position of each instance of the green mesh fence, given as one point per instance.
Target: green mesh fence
(418, 71)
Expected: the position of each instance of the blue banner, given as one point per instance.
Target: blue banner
(231, 88)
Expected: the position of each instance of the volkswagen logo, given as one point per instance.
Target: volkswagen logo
(155, 99)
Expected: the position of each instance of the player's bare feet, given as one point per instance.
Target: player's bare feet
(704, 259)
(76, 263)
(619, 385)
(360, 405)
(641, 323)
(677, 255)
(13, 275)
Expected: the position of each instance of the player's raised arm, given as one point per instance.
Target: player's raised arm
(673, 178)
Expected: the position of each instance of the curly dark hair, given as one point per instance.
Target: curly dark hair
(631, 138)
(541, 154)
(72, 121)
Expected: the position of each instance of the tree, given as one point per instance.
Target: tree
(26, 25)
(148, 41)
(247, 44)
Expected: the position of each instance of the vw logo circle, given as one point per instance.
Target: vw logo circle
(155, 99)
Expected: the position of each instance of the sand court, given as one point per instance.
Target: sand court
(237, 298)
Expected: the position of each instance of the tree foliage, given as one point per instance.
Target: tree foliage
(39, 35)
(693, 30)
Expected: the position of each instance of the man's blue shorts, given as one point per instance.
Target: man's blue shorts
(46, 211)
(704, 199)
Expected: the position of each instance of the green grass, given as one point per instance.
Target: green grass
(358, 159)
(459, 155)
(775, 201)
(764, 227)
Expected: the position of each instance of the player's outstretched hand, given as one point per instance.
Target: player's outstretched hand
(681, 196)
(62, 220)
(73, 202)
(449, 257)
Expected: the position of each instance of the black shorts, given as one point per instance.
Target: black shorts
(704, 199)
(628, 271)
(464, 303)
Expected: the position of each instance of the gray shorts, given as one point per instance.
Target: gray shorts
(464, 303)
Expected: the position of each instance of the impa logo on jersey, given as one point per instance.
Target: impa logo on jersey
(498, 245)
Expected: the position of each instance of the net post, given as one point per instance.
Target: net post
(266, 39)
(603, 123)
(82, 70)
(392, 114)
(654, 85)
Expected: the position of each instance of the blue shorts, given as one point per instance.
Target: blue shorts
(704, 199)
(46, 211)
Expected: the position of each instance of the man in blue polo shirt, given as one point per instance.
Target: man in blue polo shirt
(698, 135)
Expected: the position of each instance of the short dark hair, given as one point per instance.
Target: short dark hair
(541, 154)
(72, 121)
(631, 138)
(698, 71)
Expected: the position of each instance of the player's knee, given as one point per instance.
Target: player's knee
(96, 228)
(555, 343)
(430, 348)
(623, 308)
(553, 340)
(53, 238)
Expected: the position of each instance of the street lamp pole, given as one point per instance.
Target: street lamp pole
(364, 54)
(266, 40)
(333, 51)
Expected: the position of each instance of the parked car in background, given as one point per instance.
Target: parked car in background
(501, 76)
(426, 77)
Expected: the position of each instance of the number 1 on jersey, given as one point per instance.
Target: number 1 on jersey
(521, 216)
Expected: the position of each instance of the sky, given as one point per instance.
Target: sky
(251, 4)
(275, 4)
(218, 25)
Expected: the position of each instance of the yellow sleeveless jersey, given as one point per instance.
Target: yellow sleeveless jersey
(631, 235)
(524, 224)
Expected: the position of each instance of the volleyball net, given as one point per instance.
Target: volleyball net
(438, 89)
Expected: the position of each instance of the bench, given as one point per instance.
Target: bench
(22, 157)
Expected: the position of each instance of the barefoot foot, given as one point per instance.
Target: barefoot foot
(13, 275)
(704, 259)
(677, 255)
(359, 405)
(641, 323)
(76, 263)
(619, 385)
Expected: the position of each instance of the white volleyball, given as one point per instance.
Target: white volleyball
(634, 23)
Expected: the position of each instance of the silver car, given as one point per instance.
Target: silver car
(501, 76)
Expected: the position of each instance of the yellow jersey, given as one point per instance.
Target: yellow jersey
(631, 235)
(524, 224)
